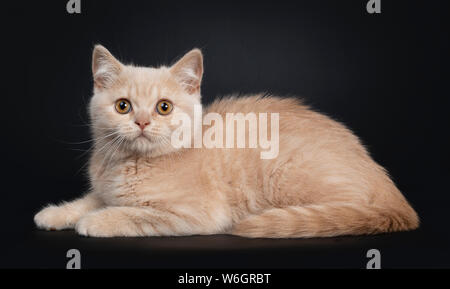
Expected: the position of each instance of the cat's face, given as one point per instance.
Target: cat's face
(133, 107)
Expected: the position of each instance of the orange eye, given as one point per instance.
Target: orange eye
(164, 107)
(123, 106)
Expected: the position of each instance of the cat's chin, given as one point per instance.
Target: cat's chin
(142, 144)
(145, 146)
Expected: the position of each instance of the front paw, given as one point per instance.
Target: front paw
(106, 223)
(54, 218)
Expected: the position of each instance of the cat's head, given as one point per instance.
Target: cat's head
(132, 107)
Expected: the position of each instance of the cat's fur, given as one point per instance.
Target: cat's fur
(323, 182)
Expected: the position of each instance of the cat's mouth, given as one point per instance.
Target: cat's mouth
(146, 140)
(143, 136)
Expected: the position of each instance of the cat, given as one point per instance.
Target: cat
(322, 183)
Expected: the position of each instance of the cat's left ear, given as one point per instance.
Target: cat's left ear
(188, 71)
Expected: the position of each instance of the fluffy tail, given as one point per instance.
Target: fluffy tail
(326, 220)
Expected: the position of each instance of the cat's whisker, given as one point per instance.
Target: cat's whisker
(85, 152)
(108, 144)
(89, 140)
(115, 150)
(91, 125)
(80, 150)
(92, 147)
(107, 153)
(82, 167)
(112, 148)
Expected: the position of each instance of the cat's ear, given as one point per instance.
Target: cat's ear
(188, 71)
(105, 68)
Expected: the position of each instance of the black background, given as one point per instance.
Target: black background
(385, 76)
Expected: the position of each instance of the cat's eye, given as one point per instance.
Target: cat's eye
(164, 107)
(123, 106)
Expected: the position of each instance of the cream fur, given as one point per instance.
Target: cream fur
(323, 182)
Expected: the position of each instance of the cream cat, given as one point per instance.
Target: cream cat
(322, 183)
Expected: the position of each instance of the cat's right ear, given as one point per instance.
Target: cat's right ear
(105, 67)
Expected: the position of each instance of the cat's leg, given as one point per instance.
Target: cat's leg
(66, 215)
(145, 221)
(326, 220)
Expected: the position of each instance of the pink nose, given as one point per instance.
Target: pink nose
(142, 124)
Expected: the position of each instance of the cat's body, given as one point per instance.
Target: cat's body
(322, 183)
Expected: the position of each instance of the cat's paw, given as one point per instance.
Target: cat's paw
(91, 225)
(106, 223)
(54, 218)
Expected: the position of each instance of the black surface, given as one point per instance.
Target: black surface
(385, 76)
(417, 249)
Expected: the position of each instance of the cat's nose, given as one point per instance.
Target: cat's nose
(142, 123)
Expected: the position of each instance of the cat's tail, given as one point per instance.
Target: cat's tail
(326, 220)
